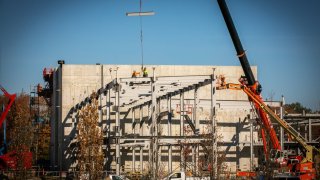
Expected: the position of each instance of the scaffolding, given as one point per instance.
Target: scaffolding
(141, 94)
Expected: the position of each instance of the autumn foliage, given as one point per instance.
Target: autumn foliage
(90, 140)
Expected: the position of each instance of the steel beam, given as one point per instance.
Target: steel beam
(158, 110)
(137, 94)
(141, 134)
(133, 148)
(108, 126)
(251, 142)
(214, 125)
(281, 128)
(133, 159)
(154, 127)
(150, 134)
(117, 128)
(169, 133)
(135, 80)
(133, 121)
(195, 158)
(182, 162)
(310, 129)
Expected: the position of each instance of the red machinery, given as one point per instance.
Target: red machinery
(302, 169)
(11, 98)
(9, 160)
(47, 90)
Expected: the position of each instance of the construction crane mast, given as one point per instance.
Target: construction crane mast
(253, 89)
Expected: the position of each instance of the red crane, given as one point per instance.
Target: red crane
(304, 167)
(9, 160)
(249, 79)
(11, 98)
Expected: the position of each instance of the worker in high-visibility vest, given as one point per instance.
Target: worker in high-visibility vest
(135, 73)
(145, 72)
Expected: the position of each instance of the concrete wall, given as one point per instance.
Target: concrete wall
(79, 81)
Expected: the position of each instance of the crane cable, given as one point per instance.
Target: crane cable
(141, 35)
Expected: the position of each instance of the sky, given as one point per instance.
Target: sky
(280, 37)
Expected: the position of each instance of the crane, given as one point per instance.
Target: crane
(249, 78)
(6, 109)
(11, 98)
(253, 89)
(9, 160)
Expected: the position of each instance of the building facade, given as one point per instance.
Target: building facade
(173, 117)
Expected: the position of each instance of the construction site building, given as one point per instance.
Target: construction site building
(151, 122)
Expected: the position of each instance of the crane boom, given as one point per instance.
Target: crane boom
(251, 82)
(237, 43)
(290, 130)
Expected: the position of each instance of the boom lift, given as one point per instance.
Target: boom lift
(253, 89)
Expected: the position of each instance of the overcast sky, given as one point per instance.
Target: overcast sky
(281, 38)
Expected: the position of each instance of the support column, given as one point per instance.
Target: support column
(306, 132)
(310, 130)
(169, 133)
(133, 121)
(195, 158)
(133, 168)
(195, 106)
(108, 127)
(158, 111)
(117, 128)
(151, 141)
(281, 128)
(299, 128)
(101, 97)
(251, 142)
(141, 134)
(108, 112)
(133, 159)
(182, 162)
(154, 126)
(214, 126)
(181, 113)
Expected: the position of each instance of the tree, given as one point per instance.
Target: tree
(90, 140)
(20, 134)
(40, 115)
(296, 108)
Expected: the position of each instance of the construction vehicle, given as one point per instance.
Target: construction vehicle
(300, 167)
(183, 176)
(9, 159)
